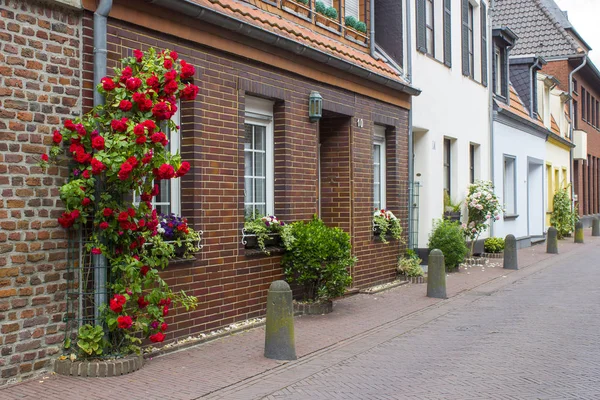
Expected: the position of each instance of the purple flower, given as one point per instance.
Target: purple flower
(154, 325)
(76, 172)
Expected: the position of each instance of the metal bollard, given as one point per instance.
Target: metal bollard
(279, 330)
(595, 227)
(552, 241)
(579, 232)
(510, 252)
(436, 275)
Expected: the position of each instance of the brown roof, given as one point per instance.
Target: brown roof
(554, 126)
(253, 15)
(518, 108)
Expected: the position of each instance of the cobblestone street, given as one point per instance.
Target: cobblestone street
(526, 334)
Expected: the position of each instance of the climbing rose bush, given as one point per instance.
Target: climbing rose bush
(119, 152)
(483, 208)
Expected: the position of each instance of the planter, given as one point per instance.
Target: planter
(327, 22)
(355, 35)
(415, 279)
(296, 7)
(99, 368)
(493, 255)
(179, 250)
(274, 240)
(452, 216)
(313, 308)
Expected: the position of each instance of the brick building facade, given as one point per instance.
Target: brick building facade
(323, 168)
(40, 85)
(586, 105)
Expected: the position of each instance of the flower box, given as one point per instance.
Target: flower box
(297, 7)
(274, 240)
(327, 22)
(356, 35)
(452, 215)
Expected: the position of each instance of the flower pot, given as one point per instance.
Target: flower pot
(179, 250)
(452, 216)
(251, 242)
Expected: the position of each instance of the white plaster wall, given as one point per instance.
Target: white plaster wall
(452, 106)
(514, 142)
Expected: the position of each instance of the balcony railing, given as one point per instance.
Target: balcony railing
(308, 13)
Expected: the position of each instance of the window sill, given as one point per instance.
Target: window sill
(180, 260)
(508, 217)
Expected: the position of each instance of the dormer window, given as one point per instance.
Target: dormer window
(504, 39)
(499, 72)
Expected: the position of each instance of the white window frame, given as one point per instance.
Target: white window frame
(471, 38)
(499, 71)
(379, 140)
(430, 26)
(510, 193)
(260, 112)
(174, 138)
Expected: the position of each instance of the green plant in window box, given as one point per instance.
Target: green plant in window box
(305, 2)
(351, 21)
(331, 13)
(361, 27)
(264, 228)
(320, 7)
(386, 223)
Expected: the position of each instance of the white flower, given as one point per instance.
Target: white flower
(160, 229)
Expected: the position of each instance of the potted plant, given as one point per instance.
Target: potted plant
(318, 258)
(326, 15)
(494, 247)
(409, 265)
(385, 223)
(175, 230)
(451, 210)
(354, 28)
(483, 208)
(262, 232)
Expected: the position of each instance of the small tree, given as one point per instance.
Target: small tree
(563, 216)
(483, 208)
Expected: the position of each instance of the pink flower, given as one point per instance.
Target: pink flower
(96, 250)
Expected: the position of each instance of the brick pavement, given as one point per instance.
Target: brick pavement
(223, 367)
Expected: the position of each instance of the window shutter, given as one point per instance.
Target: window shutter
(421, 28)
(465, 37)
(448, 32)
(484, 52)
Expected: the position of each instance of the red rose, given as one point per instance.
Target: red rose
(150, 125)
(183, 169)
(142, 302)
(125, 105)
(170, 76)
(97, 167)
(157, 337)
(153, 82)
(157, 137)
(107, 212)
(142, 223)
(155, 191)
(124, 322)
(103, 225)
(187, 70)
(86, 174)
(98, 143)
(138, 54)
(145, 197)
(163, 326)
(107, 84)
(86, 201)
(168, 64)
(131, 212)
(80, 130)
(139, 129)
(165, 171)
(119, 125)
(81, 156)
(146, 105)
(67, 219)
(57, 137)
(138, 97)
(123, 216)
(141, 139)
(189, 92)
(171, 87)
(117, 303)
(165, 311)
(132, 84)
(174, 55)
(147, 158)
(45, 157)
(75, 214)
(96, 250)
(144, 270)
(133, 161)
(125, 170)
(126, 73)
(162, 110)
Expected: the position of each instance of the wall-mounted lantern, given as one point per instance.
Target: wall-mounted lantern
(315, 106)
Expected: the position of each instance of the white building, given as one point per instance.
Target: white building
(451, 118)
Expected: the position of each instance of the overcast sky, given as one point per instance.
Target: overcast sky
(584, 14)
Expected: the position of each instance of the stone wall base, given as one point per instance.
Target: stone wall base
(99, 368)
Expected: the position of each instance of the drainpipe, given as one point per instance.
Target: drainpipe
(412, 241)
(372, 22)
(571, 112)
(99, 260)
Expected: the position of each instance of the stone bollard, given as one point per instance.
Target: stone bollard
(579, 232)
(596, 227)
(510, 252)
(552, 241)
(436, 275)
(279, 330)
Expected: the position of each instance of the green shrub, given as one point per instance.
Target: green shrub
(351, 21)
(563, 217)
(331, 12)
(318, 258)
(410, 264)
(448, 237)
(90, 340)
(361, 27)
(320, 7)
(493, 245)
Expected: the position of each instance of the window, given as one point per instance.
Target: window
(472, 163)
(447, 166)
(575, 86)
(575, 114)
(498, 67)
(430, 30)
(588, 108)
(379, 175)
(484, 44)
(471, 41)
(583, 104)
(597, 113)
(258, 157)
(168, 199)
(510, 180)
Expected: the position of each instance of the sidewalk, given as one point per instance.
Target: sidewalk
(201, 370)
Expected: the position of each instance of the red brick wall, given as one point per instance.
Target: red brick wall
(39, 87)
(230, 285)
(586, 182)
